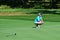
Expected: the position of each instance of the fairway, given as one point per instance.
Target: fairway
(24, 30)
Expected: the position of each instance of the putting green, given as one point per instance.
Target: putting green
(24, 30)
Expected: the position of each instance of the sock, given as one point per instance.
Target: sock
(39, 26)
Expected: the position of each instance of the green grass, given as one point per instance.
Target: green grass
(24, 30)
(30, 17)
(27, 10)
(19, 10)
(23, 26)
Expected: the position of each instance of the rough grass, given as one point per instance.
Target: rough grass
(12, 13)
(26, 10)
(31, 17)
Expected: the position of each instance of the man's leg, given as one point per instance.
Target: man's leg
(36, 25)
(39, 24)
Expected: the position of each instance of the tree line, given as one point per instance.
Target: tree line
(37, 4)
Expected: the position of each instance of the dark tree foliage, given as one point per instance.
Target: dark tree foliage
(13, 3)
(26, 4)
(53, 3)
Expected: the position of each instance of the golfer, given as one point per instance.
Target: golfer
(38, 20)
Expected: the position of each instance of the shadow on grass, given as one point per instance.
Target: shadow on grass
(17, 18)
(50, 18)
(46, 12)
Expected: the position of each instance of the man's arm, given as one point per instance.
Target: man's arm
(42, 19)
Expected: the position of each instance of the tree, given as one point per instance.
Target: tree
(53, 4)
